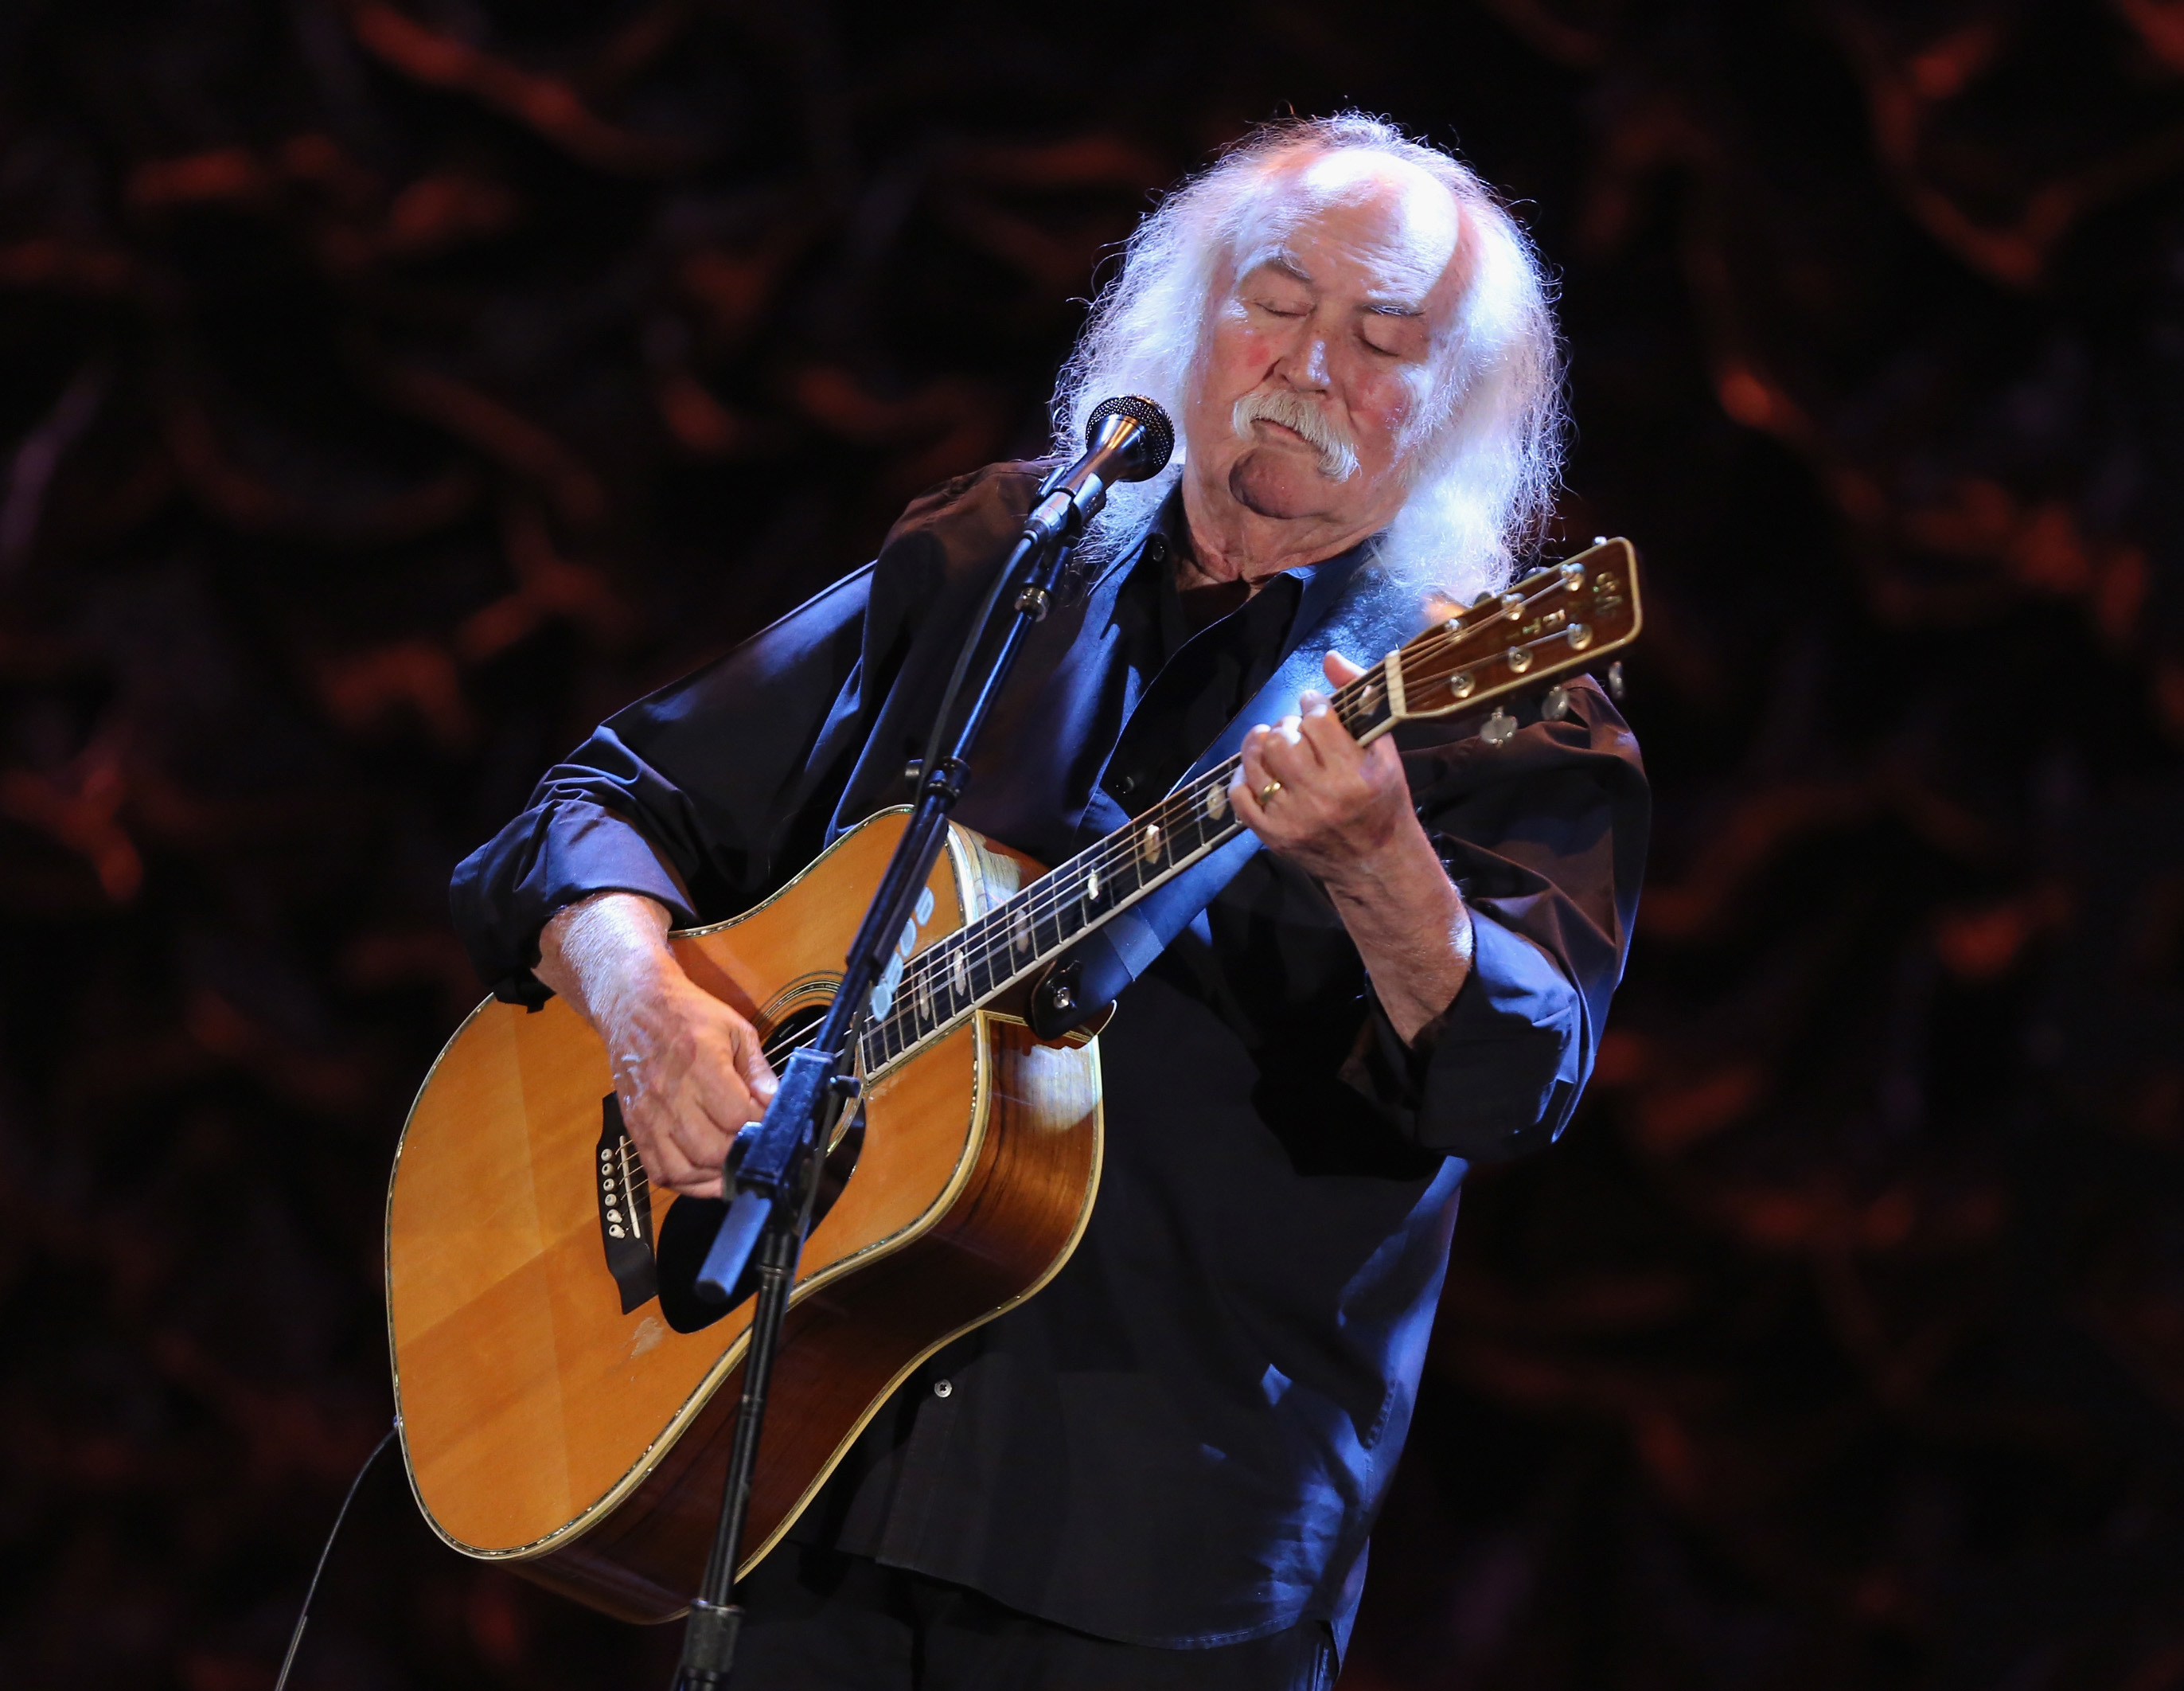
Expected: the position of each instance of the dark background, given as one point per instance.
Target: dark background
(389, 390)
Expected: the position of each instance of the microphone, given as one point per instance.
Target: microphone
(1129, 438)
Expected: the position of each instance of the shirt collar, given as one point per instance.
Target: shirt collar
(1321, 583)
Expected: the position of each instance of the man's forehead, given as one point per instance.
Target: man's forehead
(1407, 220)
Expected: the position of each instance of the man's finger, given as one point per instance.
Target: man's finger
(1340, 670)
(1262, 765)
(1381, 759)
(1330, 742)
(723, 1104)
(699, 1183)
(1279, 761)
(1244, 790)
(702, 1155)
(663, 1161)
(705, 1129)
(757, 1073)
(1243, 800)
(687, 1154)
(1252, 775)
(1290, 738)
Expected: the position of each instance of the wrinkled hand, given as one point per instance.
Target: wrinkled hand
(1341, 808)
(1343, 812)
(689, 1071)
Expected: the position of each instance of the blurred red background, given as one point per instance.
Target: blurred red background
(389, 389)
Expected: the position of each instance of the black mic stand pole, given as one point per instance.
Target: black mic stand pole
(775, 1178)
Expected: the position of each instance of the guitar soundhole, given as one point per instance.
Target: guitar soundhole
(686, 1233)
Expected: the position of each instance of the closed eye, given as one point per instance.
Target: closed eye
(1395, 331)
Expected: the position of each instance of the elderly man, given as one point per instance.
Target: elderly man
(1162, 1470)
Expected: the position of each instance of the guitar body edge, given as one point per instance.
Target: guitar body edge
(850, 1344)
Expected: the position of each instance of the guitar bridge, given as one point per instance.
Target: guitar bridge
(625, 1196)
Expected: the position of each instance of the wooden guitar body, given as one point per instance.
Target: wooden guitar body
(546, 1427)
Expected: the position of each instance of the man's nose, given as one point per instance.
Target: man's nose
(1316, 359)
(1310, 364)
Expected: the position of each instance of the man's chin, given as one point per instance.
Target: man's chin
(1280, 483)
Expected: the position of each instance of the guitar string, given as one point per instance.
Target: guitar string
(978, 943)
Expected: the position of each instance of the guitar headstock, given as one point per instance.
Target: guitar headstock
(1555, 620)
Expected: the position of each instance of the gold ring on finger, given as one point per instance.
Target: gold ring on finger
(1267, 793)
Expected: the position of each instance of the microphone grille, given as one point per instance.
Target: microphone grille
(1153, 449)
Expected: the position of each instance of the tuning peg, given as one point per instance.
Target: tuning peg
(1556, 705)
(1499, 729)
(1615, 681)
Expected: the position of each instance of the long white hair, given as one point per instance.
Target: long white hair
(1489, 454)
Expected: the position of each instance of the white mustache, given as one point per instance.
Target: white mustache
(1338, 451)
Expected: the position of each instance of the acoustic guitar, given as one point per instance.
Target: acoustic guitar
(566, 1401)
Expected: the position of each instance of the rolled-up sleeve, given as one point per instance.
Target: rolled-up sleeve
(565, 846)
(692, 797)
(1545, 838)
(1498, 1072)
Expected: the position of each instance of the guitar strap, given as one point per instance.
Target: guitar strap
(1357, 612)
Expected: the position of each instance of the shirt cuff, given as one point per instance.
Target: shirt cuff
(546, 859)
(1496, 1073)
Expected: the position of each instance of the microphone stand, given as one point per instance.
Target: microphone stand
(775, 1178)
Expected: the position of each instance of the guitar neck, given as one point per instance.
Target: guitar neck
(1522, 638)
(986, 958)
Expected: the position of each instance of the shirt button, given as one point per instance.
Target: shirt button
(1156, 549)
(941, 1388)
(1122, 786)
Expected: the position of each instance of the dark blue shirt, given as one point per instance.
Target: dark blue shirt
(1184, 1437)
